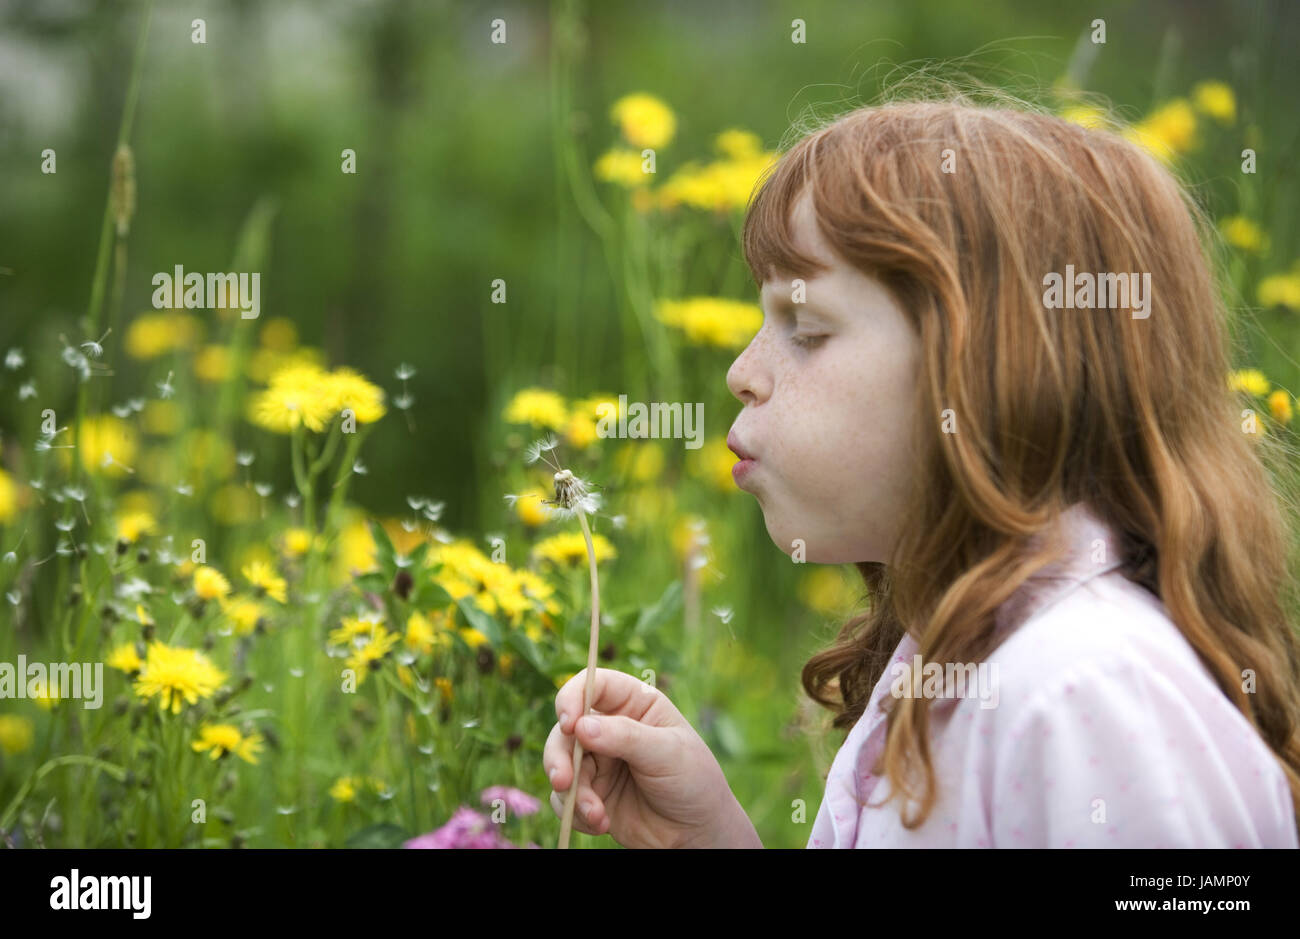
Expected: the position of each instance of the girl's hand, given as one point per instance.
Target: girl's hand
(647, 778)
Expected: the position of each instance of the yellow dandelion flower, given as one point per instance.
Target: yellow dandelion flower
(738, 144)
(445, 689)
(713, 462)
(244, 612)
(8, 498)
(1217, 100)
(124, 658)
(1085, 115)
(358, 553)
(279, 334)
(1280, 290)
(827, 590)
(530, 507)
(346, 388)
(264, 578)
(296, 397)
(1167, 131)
(1241, 232)
(296, 542)
(219, 739)
(344, 789)
(537, 407)
(643, 460)
(623, 167)
(421, 633)
(213, 364)
(1279, 405)
(729, 324)
(176, 674)
(134, 524)
(571, 548)
(644, 120)
(151, 335)
(210, 584)
(473, 638)
(1249, 380)
(107, 444)
(15, 734)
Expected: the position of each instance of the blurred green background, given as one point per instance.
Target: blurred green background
(474, 162)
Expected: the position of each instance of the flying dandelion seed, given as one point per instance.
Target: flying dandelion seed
(95, 347)
(27, 390)
(165, 389)
(404, 372)
(14, 359)
(358, 467)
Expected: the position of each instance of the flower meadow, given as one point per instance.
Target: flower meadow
(288, 665)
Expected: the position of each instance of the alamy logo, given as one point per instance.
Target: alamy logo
(953, 680)
(1098, 291)
(659, 419)
(75, 892)
(71, 679)
(218, 291)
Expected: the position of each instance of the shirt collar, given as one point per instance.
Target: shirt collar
(1089, 547)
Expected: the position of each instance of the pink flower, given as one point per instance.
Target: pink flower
(466, 829)
(516, 800)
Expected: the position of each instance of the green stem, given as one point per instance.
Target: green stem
(73, 760)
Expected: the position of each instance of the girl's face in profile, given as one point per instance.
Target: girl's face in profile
(827, 387)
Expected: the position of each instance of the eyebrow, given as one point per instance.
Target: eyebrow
(783, 305)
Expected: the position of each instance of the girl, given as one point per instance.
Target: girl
(991, 374)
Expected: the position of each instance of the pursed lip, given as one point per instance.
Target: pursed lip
(733, 444)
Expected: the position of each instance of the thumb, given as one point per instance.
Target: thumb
(644, 748)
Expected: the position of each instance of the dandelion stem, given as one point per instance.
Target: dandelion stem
(566, 822)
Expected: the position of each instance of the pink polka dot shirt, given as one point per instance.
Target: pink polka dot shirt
(1093, 724)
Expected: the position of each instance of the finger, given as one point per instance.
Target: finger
(557, 757)
(557, 760)
(614, 692)
(580, 820)
(647, 749)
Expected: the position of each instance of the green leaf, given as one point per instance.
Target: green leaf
(384, 547)
(480, 620)
(520, 642)
(729, 736)
(378, 836)
(664, 609)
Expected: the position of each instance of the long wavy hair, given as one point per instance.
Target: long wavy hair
(1132, 416)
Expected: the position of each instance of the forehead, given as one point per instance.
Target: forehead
(808, 240)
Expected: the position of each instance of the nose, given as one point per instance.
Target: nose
(747, 379)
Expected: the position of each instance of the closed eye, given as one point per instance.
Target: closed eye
(808, 342)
